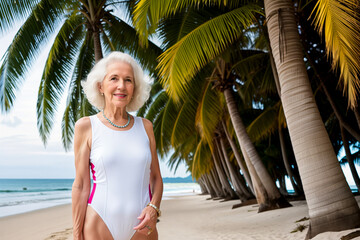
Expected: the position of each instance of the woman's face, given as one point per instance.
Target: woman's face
(118, 84)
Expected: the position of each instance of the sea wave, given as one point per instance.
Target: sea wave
(34, 190)
(30, 201)
(18, 196)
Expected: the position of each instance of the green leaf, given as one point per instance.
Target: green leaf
(265, 124)
(124, 38)
(12, 11)
(147, 13)
(25, 47)
(209, 113)
(182, 61)
(339, 22)
(58, 67)
(76, 96)
(202, 162)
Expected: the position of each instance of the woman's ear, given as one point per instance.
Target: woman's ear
(100, 88)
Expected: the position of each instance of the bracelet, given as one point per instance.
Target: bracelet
(156, 208)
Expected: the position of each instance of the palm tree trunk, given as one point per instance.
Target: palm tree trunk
(238, 158)
(350, 158)
(95, 32)
(202, 183)
(216, 183)
(287, 165)
(222, 161)
(207, 186)
(357, 116)
(332, 207)
(275, 199)
(97, 46)
(240, 189)
(293, 178)
(282, 185)
(259, 189)
(223, 179)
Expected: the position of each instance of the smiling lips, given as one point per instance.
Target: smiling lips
(120, 95)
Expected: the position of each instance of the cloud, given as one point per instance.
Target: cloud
(11, 121)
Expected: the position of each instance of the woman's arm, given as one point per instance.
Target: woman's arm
(149, 214)
(81, 185)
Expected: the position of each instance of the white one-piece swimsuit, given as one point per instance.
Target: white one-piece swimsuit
(120, 165)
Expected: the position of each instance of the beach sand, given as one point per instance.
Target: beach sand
(184, 218)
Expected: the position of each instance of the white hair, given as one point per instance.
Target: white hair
(98, 73)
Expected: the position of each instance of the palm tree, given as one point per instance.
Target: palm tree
(84, 29)
(328, 197)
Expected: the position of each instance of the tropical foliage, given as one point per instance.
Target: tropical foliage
(202, 46)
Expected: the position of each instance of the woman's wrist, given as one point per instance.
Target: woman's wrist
(156, 208)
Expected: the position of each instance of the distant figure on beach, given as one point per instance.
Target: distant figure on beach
(120, 150)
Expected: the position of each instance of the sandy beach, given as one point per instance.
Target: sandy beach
(184, 218)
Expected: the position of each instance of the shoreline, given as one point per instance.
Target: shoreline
(191, 217)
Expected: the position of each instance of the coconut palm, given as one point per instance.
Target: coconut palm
(83, 29)
(314, 154)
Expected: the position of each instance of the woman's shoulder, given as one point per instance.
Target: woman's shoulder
(83, 124)
(147, 123)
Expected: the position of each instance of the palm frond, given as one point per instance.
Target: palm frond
(124, 38)
(167, 123)
(157, 106)
(58, 67)
(147, 13)
(339, 22)
(184, 153)
(202, 161)
(209, 113)
(266, 123)
(172, 29)
(251, 63)
(155, 90)
(72, 113)
(106, 43)
(183, 60)
(25, 47)
(13, 11)
(184, 125)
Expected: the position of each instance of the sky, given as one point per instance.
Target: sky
(22, 153)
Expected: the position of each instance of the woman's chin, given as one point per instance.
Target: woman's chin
(120, 104)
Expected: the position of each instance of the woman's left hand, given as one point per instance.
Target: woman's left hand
(148, 219)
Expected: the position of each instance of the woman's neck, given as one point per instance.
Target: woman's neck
(115, 113)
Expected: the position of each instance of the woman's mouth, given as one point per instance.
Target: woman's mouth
(120, 95)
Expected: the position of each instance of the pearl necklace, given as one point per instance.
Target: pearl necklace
(127, 124)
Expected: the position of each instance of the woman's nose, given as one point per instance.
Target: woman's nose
(121, 84)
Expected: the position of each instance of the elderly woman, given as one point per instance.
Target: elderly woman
(120, 150)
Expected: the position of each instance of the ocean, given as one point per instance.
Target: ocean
(24, 195)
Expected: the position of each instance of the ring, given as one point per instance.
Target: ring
(150, 229)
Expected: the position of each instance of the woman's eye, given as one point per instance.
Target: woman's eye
(128, 79)
(113, 78)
